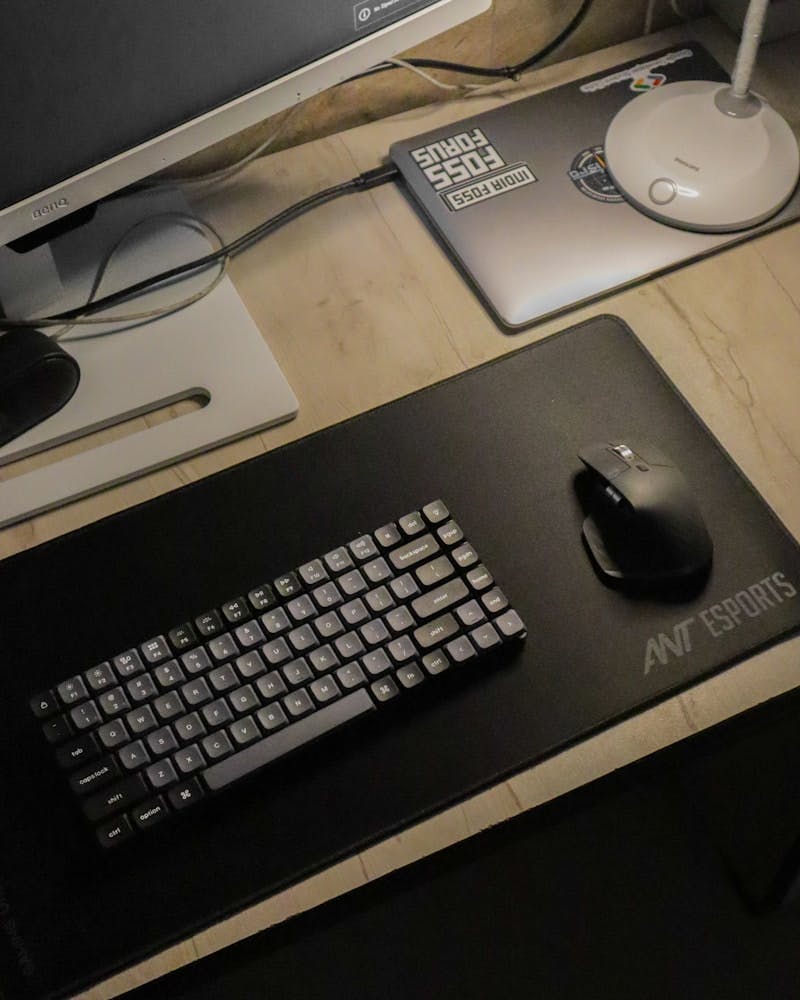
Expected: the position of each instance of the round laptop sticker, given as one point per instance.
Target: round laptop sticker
(589, 175)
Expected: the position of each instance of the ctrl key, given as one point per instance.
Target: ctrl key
(115, 832)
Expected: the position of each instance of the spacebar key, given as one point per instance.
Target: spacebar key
(256, 755)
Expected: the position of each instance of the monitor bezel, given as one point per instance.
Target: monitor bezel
(141, 161)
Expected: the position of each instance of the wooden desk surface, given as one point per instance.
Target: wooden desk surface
(360, 306)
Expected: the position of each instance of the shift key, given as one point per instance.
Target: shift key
(116, 798)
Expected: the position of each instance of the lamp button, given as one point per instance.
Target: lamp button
(662, 191)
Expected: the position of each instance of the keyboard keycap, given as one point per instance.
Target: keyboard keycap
(116, 798)
(78, 751)
(155, 650)
(413, 552)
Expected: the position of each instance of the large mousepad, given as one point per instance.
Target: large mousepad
(499, 444)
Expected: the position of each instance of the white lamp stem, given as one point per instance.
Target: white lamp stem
(748, 47)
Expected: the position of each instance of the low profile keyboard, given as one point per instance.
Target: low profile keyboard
(155, 729)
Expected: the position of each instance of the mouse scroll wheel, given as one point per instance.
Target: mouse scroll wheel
(624, 452)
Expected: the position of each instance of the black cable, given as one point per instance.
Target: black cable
(503, 72)
(363, 182)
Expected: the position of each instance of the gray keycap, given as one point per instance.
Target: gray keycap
(327, 596)
(436, 512)
(323, 659)
(162, 774)
(249, 634)
(376, 663)
(411, 524)
(301, 608)
(402, 649)
(313, 572)
(377, 570)
(302, 638)
(460, 649)
(297, 672)
(189, 727)
(374, 632)
(162, 741)
(480, 577)
(133, 756)
(436, 631)
(217, 713)
(328, 625)
(400, 620)
(250, 665)
(410, 675)
(141, 720)
(510, 623)
(414, 552)
(470, 613)
(439, 599)
(379, 600)
(244, 699)
(404, 587)
(352, 583)
(276, 621)
(113, 734)
(338, 560)
(435, 571)
(325, 689)
(485, 636)
(450, 533)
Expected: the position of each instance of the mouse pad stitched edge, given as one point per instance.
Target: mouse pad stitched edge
(499, 444)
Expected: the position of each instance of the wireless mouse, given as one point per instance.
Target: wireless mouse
(644, 523)
(37, 377)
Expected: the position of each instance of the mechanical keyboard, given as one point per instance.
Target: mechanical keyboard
(157, 728)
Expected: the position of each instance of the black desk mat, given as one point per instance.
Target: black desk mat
(499, 445)
(618, 893)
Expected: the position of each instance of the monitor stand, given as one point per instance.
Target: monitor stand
(211, 351)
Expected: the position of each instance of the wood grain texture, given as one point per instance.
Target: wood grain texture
(361, 306)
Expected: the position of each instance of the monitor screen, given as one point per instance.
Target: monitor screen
(95, 94)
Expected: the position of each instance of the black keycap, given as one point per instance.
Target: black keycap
(410, 675)
(276, 621)
(460, 649)
(494, 600)
(301, 607)
(209, 623)
(114, 832)
(45, 704)
(189, 759)
(72, 691)
(288, 585)
(298, 703)
(435, 601)
(288, 738)
(480, 577)
(113, 734)
(244, 699)
(385, 689)
(141, 688)
(271, 686)
(185, 794)
(338, 560)
(464, 555)
(376, 663)
(325, 689)
(183, 637)
(313, 573)
(77, 751)
(223, 678)
(352, 583)
(169, 705)
(162, 741)
(363, 548)
(150, 812)
(128, 663)
(216, 746)
(435, 512)
(100, 677)
(85, 715)
(92, 776)
(350, 675)
(377, 570)
(379, 600)
(485, 636)
(236, 610)
(244, 731)
(297, 671)
(470, 614)
(113, 702)
(413, 552)
(116, 798)
(218, 713)
(277, 652)
(323, 659)
(435, 662)
(156, 650)
(223, 647)
(402, 649)
(272, 717)
(57, 729)
(510, 624)
(435, 571)
(196, 661)
(450, 533)
(349, 645)
(262, 597)
(411, 524)
(189, 728)
(161, 775)
(387, 536)
(133, 756)
(196, 692)
(302, 638)
(169, 674)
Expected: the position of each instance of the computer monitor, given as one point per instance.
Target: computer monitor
(98, 94)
